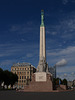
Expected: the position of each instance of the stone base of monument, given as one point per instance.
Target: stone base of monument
(41, 82)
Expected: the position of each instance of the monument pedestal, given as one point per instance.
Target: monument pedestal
(41, 82)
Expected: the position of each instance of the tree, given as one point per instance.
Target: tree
(64, 82)
(1, 76)
(10, 78)
(13, 78)
(57, 81)
(6, 78)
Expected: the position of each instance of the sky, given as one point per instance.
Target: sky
(20, 33)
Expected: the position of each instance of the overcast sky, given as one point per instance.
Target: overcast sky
(20, 32)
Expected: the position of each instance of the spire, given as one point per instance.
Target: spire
(42, 17)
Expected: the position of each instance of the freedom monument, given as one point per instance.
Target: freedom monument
(42, 67)
(42, 79)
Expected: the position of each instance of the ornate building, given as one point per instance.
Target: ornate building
(24, 72)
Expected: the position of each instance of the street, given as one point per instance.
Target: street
(13, 95)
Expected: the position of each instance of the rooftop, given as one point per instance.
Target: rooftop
(22, 64)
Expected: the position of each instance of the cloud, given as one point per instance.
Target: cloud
(6, 62)
(67, 51)
(68, 73)
(28, 27)
(65, 74)
(15, 28)
(65, 1)
(23, 40)
(52, 33)
(61, 46)
(64, 29)
(73, 73)
(16, 49)
(10, 50)
(29, 55)
(70, 50)
(55, 55)
(68, 28)
(68, 69)
(63, 62)
(13, 53)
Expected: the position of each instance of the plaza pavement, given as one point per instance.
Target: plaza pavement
(13, 95)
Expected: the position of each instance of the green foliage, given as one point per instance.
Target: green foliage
(1, 76)
(64, 82)
(8, 77)
(14, 78)
(56, 81)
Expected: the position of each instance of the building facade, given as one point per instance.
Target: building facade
(24, 72)
(70, 84)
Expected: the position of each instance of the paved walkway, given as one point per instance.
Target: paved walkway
(13, 95)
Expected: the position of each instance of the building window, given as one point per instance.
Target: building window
(27, 72)
(25, 68)
(25, 77)
(22, 81)
(20, 72)
(15, 68)
(20, 77)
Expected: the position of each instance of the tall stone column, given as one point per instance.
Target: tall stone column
(42, 38)
(41, 43)
(44, 44)
(42, 66)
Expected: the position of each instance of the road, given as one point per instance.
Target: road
(13, 95)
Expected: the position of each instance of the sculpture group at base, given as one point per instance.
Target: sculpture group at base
(42, 66)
